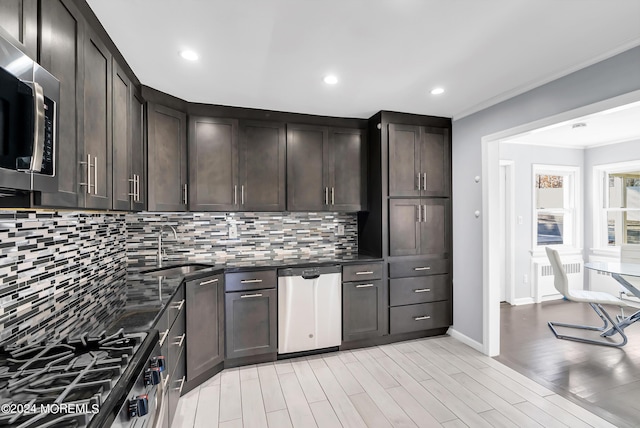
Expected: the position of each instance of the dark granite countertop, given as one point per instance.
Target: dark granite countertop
(148, 295)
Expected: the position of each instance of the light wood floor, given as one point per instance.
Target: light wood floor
(426, 383)
(604, 380)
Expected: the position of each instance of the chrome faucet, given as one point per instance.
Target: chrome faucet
(175, 236)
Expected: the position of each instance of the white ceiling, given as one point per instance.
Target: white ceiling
(388, 54)
(611, 126)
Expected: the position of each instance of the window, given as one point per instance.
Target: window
(622, 207)
(555, 218)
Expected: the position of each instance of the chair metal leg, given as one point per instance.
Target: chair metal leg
(605, 317)
(623, 323)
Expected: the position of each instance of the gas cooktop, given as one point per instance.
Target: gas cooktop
(64, 383)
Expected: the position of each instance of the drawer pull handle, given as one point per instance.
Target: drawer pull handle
(422, 290)
(424, 317)
(179, 343)
(181, 385)
(245, 296)
(211, 281)
(366, 272)
(163, 336)
(364, 285)
(179, 305)
(422, 268)
(250, 281)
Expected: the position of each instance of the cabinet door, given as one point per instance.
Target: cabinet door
(122, 178)
(60, 53)
(205, 324)
(262, 166)
(347, 170)
(213, 164)
(307, 177)
(167, 149)
(175, 384)
(251, 323)
(19, 21)
(138, 153)
(404, 229)
(434, 229)
(404, 160)
(97, 123)
(435, 162)
(363, 307)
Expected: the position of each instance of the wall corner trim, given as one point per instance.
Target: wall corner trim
(466, 340)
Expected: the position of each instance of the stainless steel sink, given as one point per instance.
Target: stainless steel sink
(175, 271)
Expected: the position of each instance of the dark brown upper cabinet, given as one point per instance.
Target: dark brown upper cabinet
(62, 30)
(128, 144)
(419, 227)
(236, 166)
(167, 159)
(96, 159)
(325, 169)
(213, 164)
(419, 161)
(19, 24)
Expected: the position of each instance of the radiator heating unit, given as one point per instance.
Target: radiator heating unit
(543, 279)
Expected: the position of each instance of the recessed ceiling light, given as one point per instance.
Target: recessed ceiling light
(189, 55)
(331, 79)
(437, 91)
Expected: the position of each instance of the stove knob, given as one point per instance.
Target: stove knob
(152, 376)
(139, 406)
(158, 362)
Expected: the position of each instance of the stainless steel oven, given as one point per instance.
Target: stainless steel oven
(29, 98)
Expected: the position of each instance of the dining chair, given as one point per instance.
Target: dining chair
(594, 298)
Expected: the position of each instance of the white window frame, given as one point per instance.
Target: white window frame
(600, 208)
(573, 207)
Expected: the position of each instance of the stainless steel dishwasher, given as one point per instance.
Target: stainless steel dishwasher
(309, 308)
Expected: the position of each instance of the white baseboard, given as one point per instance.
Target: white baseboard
(465, 339)
(524, 301)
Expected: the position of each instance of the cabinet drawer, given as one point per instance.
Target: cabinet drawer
(176, 341)
(363, 272)
(420, 289)
(175, 306)
(425, 316)
(418, 267)
(253, 280)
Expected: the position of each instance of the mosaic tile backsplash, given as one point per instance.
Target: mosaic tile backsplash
(59, 272)
(204, 237)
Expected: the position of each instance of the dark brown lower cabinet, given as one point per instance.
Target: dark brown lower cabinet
(251, 323)
(363, 310)
(174, 386)
(205, 324)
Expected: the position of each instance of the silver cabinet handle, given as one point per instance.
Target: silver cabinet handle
(419, 182)
(422, 268)
(422, 290)
(333, 196)
(250, 281)
(424, 317)
(211, 281)
(164, 383)
(326, 196)
(419, 214)
(88, 183)
(245, 296)
(95, 175)
(133, 190)
(163, 336)
(424, 216)
(235, 194)
(181, 341)
(181, 384)
(137, 184)
(242, 194)
(365, 272)
(179, 305)
(186, 194)
(424, 180)
(364, 285)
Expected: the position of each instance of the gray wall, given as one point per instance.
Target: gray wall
(607, 79)
(524, 157)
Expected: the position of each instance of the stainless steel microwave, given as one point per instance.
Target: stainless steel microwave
(29, 98)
